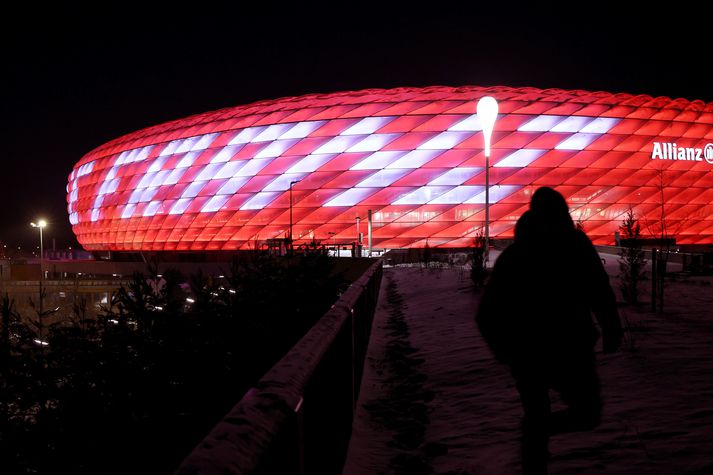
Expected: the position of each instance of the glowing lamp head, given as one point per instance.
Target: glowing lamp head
(487, 113)
(39, 224)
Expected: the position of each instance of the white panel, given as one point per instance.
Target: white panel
(367, 125)
(338, 144)
(111, 174)
(85, 169)
(145, 181)
(128, 211)
(246, 135)
(214, 204)
(113, 185)
(144, 153)
(577, 142)
(187, 144)
(302, 129)
(230, 169)
(600, 125)
(520, 158)
(95, 215)
(193, 189)
(148, 194)
(157, 164)
(444, 141)
(571, 124)
(350, 197)
(272, 132)
(136, 195)
(415, 159)
(497, 193)
(132, 155)
(282, 182)
(188, 159)
(422, 195)
(378, 160)
(382, 178)
(209, 172)
(170, 148)
(373, 143)
(204, 142)
(253, 167)
(151, 208)
(226, 153)
(121, 158)
(276, 148)
(310, 163)
(174, 176)
(180, 206)
(456, 176)
(260, 200)
(469, 124)
(232, 185)
(542, 123)
(458, 195)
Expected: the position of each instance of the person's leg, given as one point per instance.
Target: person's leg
(580, 391)
(534, 395)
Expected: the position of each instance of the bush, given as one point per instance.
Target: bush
(135, 389)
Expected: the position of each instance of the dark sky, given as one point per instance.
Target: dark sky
(74, 77)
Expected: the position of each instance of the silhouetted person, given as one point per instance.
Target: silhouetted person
(536, 316)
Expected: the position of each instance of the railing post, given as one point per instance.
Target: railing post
(353, 358)
(654, 278)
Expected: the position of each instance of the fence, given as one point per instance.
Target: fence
(298, 417)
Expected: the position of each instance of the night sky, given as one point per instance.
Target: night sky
(74, 77)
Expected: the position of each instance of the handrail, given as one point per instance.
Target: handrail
(270, 426)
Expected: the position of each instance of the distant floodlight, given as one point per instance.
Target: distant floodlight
(487, 113)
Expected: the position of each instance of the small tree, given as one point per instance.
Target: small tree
(8, 315)
(631, 261)
(427, 255)
(478, 271)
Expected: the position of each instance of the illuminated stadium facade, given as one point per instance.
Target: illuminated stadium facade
(224, 180)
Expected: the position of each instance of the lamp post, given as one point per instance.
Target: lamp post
(291, 183)
(487, 114)
(41, 224)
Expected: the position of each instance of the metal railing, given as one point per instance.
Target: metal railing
(297, 419)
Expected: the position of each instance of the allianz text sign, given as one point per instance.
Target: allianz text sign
(671, 151)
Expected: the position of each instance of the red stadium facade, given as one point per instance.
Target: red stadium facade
(225, 180)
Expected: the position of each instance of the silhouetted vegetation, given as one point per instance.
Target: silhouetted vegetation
(631, 261)
(134, 390)
(478, 270)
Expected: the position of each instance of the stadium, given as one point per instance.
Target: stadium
(407, 164)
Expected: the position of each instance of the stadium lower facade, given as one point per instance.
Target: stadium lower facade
(413, 157)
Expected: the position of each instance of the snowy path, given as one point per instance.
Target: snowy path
(434, 401)
(445, 425)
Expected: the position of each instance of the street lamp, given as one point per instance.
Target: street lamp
(291, 183)
(40, 225)
(487, 114)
